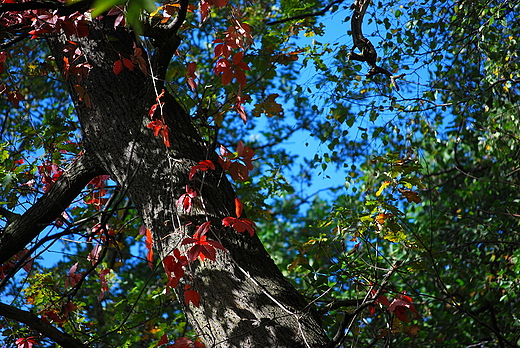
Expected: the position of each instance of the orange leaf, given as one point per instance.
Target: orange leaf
(238, 207)
(149, 243)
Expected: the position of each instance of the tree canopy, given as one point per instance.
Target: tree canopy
(227, 173)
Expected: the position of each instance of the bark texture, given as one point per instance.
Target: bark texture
(245, 300)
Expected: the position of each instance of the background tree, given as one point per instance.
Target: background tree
(418, 247)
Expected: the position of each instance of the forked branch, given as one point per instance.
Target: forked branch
(22, 230)
(368, 51)
(33, 321)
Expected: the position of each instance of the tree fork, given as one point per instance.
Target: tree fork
(23, 229)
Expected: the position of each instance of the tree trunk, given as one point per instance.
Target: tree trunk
(245, 300)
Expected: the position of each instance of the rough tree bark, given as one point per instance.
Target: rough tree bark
(245, 300)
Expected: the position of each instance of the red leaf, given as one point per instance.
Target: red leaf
(99, 181)
(190, 73)
(238, 171)
(204, 9)
(240, 225)
(26, 342)
(156, 126)
(174, 263)
(72, 277)
(228, 161)
(151, 112)
(118, 67)
(49, 173)
(246, 154)
(237, 58)
(185, 200)
(203, 248)
(406, 298)
(227, 77)
(93, 256)
(182, 342)
(240, 77)
(128, 64)
(165, 136)
(202, 166)
(52, 315)
(28, 262)
(163, 340)
(381, 298)
(400, 312)
(220, 3)
(191, 296)
(239, 107)
(67, 308)
(399, 306)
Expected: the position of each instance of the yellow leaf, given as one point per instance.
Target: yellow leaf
(381, 218)
(383, 186)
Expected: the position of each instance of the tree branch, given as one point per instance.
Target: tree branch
(29, 5)
(63, 8)
(167, 41)
(307, 15)
(9, 215)
(341, 333)
(368, 51)
(62, 338)
(27, 226)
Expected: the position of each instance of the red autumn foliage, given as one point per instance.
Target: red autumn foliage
(381, 299)
(232, 69)
(72, 277)
(201, 166)
(173, 265)
(191, 295)
(104, 283)
(190, 75)
(49, 173)
(239, 223)
(26, 342)
(186, 199)
(205, 6)
(159, 128)
(9, 265)
(400, 305)
(239, 163)
(203, 248)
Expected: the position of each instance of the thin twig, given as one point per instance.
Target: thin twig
(307, 15)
